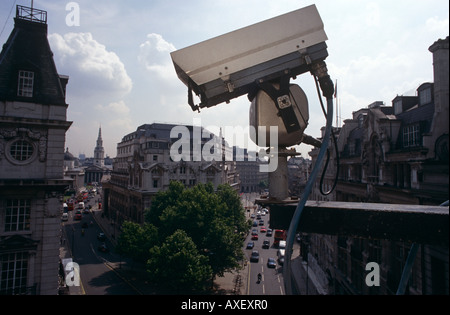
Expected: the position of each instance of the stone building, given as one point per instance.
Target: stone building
(396, 154)
(33, 125)
(248, 166)
(145, 165)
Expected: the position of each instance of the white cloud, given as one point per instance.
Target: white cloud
(154, 54)
(119, 108)
(92, 68)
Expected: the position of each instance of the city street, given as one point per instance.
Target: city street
(97, 277)
(272, 278)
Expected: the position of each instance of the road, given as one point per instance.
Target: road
(272, 278)
(97, 278)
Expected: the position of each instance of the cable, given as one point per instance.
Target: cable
(409, 264)
(299, 210)
(7, 19)
(336, 177)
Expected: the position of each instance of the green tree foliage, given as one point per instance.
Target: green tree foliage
(135, 240)
(177, 265)
(212, 221)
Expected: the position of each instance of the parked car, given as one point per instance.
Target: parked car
(250, 245)
(271, 263)
(255, 256)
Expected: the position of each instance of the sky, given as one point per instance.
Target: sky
(117, 55)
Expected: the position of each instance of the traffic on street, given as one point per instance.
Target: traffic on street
(91, 250)
(265, 270)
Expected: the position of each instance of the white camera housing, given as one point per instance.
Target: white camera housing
(230, 65)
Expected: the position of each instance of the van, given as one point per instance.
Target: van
(282, 244)
(65, 216)
(280, 253)
(81, 205)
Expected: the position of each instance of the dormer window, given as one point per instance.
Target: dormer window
(25, 86)
(425, 96)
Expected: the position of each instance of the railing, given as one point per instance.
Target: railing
(415, 223)
(31, 14)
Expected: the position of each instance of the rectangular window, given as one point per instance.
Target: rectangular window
(411, 136)
(425, 96)
(17, 216)
(13, 273)
(25, 87)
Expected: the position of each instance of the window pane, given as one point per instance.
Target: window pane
(25, 86)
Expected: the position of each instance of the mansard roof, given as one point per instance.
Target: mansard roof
(28, 49)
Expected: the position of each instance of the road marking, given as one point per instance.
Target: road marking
(248, 278)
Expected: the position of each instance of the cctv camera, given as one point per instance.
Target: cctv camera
(290, 114)
(228, 66)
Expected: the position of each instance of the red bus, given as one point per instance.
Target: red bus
(279, 235)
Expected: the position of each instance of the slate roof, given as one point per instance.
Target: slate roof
(28, 49)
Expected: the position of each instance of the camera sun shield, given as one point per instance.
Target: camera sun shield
(230, 65)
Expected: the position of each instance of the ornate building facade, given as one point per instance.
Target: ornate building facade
(144, 166)
(395, 154)
(33, 125)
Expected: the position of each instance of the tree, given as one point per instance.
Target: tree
(135, 240)
(177, 265)
(213, 220)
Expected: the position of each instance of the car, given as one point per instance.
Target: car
(263, 229)
(65, 217)
(269, 232)
(255, 223)
(261, 222)
(271, 263)
(255, 256)
(266, 244)
(250, 245)
(78, 215)
(101, 236)
(281, 261)
(254, 232)
(252, 216)
(103, 248)
(86, 211)
(254, 237)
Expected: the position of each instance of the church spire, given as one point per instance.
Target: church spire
(99, 152)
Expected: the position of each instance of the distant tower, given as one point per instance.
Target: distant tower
(99, 152)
